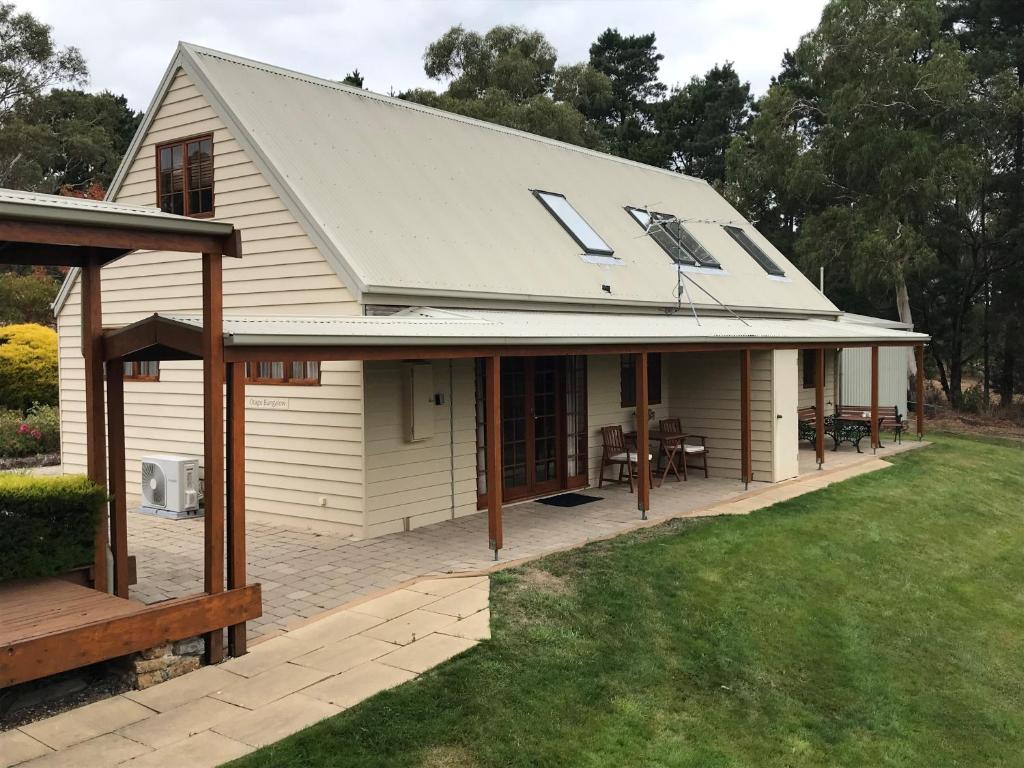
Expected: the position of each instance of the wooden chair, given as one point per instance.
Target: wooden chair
(687, 449)
(617, 453)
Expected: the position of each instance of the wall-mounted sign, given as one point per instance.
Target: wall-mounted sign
(268, 403)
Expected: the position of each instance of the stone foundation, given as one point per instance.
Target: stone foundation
(166, 661)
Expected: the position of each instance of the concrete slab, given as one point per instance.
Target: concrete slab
(358, 683)
(181, 690)
(101, 752)
(86, 722)
(275, 683)
(345, 654)
(405, 629)
(271, 653)
(276, 720)
(393, 604)
(427, 652)
(445, 587)
(204, 750)
(475, 627)
(336, 626)
(461, 604)
(178, 724)
(17, 747)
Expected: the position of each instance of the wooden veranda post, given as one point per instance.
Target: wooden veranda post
(819, 405)
(492, 428)
(643, 462)
(115, 452)
(746, 431)
(236, 495)
(95, 448)
(874, 398)
(213, 440)
(919, 390)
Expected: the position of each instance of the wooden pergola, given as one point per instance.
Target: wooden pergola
(85, 236)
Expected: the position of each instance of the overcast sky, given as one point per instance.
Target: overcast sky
(128, 43)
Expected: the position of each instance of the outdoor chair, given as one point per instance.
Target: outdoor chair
(617, 453)
(687, 449)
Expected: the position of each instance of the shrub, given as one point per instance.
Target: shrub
(48, 524)
(36, 432)
(973, 400)
(28, 366)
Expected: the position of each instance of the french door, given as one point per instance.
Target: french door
(532, 426)
(543, 426)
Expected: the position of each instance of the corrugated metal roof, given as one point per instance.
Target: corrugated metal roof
(424, 326)
(34, 206)
(413, 201)
(850, 317)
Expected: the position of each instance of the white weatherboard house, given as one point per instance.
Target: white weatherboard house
(393, 254)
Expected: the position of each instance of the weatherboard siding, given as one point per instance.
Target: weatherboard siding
(305, 462)
(411, 484)
(805, 397)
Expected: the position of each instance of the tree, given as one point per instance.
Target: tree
(26, 298)
(509, 76)
(354, 78)
(631, 65)
(871, 152)
(67, 138)
(699, 121)
(30, 61)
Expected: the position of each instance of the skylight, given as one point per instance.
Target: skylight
(573, 223)
(674, 238)
(754, 251)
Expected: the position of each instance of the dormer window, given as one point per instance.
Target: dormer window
(754, 251)
(184, 177)
(674, 238)
(573, 223)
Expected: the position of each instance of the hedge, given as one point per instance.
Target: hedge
(47, 524)
(28, 366)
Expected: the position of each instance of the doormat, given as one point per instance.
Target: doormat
(569, 500)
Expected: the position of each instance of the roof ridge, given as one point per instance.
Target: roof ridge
(322, 82)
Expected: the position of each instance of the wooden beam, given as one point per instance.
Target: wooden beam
(95, 448)
(116, 472)
(125, 239)
(49, 255)
(919, 390)
(492, 428)
(874, 398)
(213, 439)
(341, 351)
(109, 638)
(236, 495)
(643, 463)
(153, 331)
(746, 430)
(819, 405)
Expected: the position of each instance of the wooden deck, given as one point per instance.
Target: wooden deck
(51, 625)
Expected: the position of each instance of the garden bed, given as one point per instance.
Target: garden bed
(29, 462)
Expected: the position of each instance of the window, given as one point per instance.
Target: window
(754, 251)
(675, 239)
(298, 372)
(627, 380)
(574, 224)
(142, 370)
(184, 177)
(810, 363)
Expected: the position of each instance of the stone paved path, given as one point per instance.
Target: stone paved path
(282, 685)
(305, 573)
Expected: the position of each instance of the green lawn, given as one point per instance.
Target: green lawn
(879, 622)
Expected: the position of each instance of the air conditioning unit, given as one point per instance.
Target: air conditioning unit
(170, 486)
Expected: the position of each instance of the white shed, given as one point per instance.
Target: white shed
(893, 368)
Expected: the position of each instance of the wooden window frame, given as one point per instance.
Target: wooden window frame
(627, 380)
(136, 368)
(808, 366)
(287, 381)
(183, 143)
